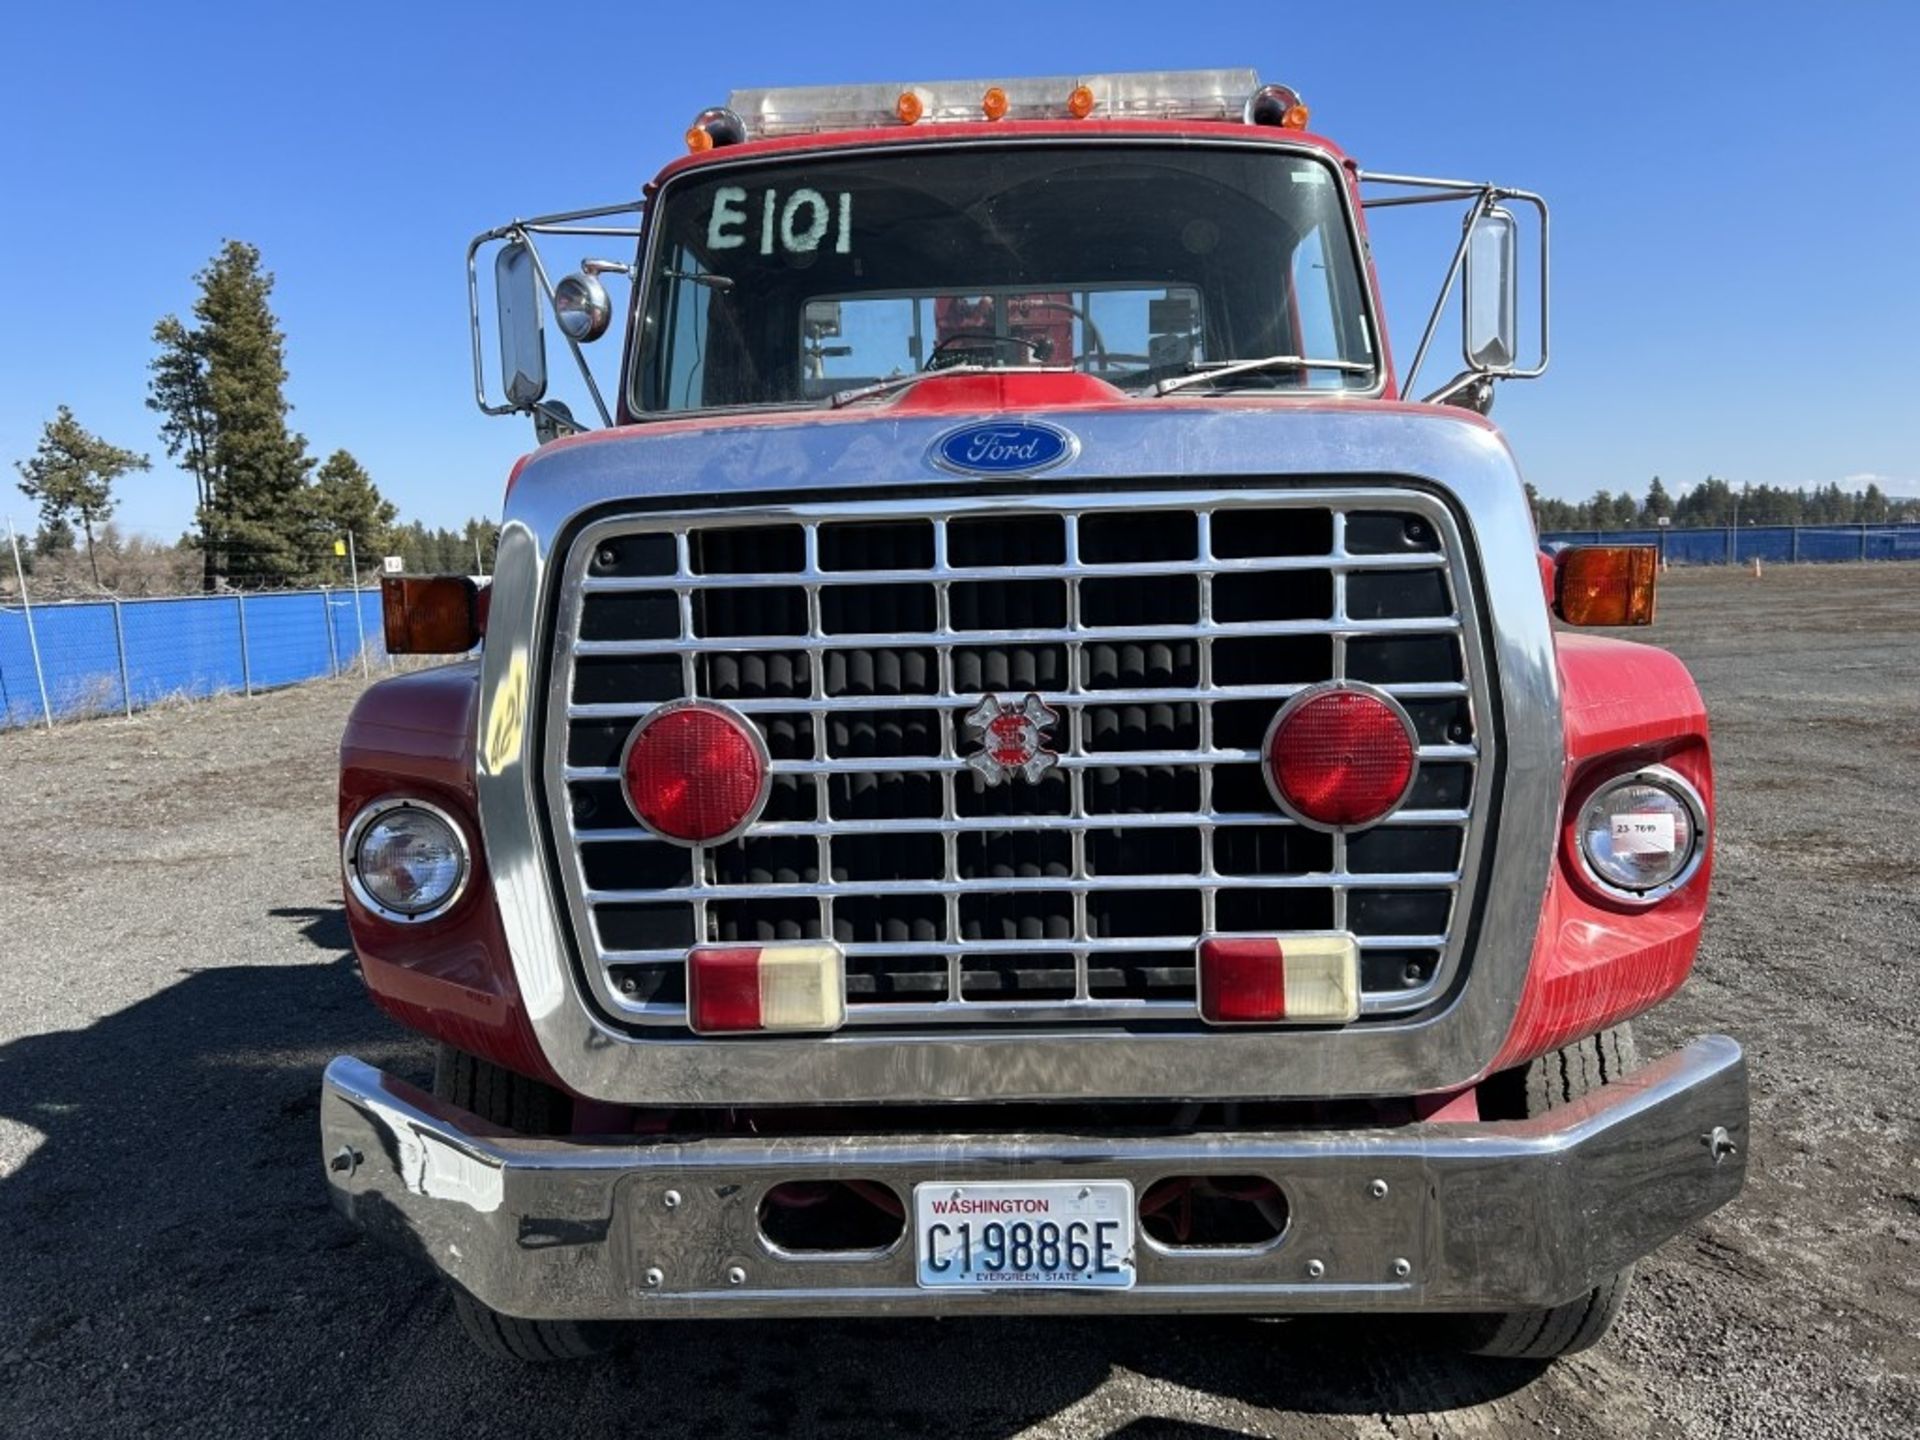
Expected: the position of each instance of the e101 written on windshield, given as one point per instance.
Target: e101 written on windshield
(796, 223)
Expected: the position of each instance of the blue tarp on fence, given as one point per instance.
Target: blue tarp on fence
(102, 656)
(1784, 544)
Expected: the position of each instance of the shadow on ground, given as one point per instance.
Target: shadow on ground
(171, 1262)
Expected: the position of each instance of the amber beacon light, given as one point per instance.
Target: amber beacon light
(1277, 105)
(714, 127)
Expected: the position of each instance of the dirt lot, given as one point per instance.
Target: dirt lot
(174, 973)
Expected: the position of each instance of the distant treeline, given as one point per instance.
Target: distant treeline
(132, 565)
(1714, 503)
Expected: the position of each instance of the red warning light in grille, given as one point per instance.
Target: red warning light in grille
(1340, 756)
(696, 773)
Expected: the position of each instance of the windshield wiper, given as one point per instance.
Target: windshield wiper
(722, 283)
(1224, 369)
(900, 382)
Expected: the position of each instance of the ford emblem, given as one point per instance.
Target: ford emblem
(1004, 447)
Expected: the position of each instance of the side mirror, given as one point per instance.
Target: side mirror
(523, 346)
(1492, 293)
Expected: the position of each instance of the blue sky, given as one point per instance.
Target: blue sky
(1736, 224)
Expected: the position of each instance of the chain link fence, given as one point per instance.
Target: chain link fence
(73, 659)
(1778, 544)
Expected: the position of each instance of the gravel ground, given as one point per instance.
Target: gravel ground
(174, 973)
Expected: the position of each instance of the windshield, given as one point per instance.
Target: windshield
(791, 282)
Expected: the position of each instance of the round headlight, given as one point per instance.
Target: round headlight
(406, 860)
(1643, 835)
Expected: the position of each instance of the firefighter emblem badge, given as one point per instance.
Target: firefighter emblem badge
(1013, 739)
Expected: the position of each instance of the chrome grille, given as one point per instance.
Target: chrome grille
(1165, 630)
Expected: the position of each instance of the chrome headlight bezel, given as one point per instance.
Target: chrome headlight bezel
(350, 859)
(1677, 786)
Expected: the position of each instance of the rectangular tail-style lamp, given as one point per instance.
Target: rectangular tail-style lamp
(749, 989)
(1280, 979)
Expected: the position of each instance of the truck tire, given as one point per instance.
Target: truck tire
(532, 1109)
(1553, 1080)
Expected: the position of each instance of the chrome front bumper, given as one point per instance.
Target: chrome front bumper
(1419, 1217)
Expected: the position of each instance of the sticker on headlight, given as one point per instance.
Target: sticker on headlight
(1643, 833)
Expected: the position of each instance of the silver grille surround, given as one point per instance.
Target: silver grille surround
(1075, 759)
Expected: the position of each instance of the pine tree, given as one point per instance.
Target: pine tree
(71, 475)
(344, 500)
(1659, 503)
(218, 387)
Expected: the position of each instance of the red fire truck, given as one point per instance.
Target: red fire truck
(1023, 765)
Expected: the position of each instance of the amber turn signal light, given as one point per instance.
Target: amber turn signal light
(1605, 584)
(431, 615)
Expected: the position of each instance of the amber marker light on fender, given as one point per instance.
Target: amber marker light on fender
(1272, 979)
(749, 989)
(430, 614)
(1605, 584)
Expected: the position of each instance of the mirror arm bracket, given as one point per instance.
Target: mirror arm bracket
(579, 356)
(1470, 390)
(591, 222)
(1483, 202)
(1483, 196)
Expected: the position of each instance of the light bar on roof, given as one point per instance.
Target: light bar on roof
(1135, 95)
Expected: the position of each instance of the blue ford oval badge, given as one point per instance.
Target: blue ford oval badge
(1004, 447)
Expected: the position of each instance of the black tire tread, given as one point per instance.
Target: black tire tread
(1553, 1080)
(533, 1342)
(1548, 1334)
(531, 1108)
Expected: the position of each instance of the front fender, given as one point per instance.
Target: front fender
(1597, 961)
(450, 977)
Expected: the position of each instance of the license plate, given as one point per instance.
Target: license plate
(1065, 1234)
